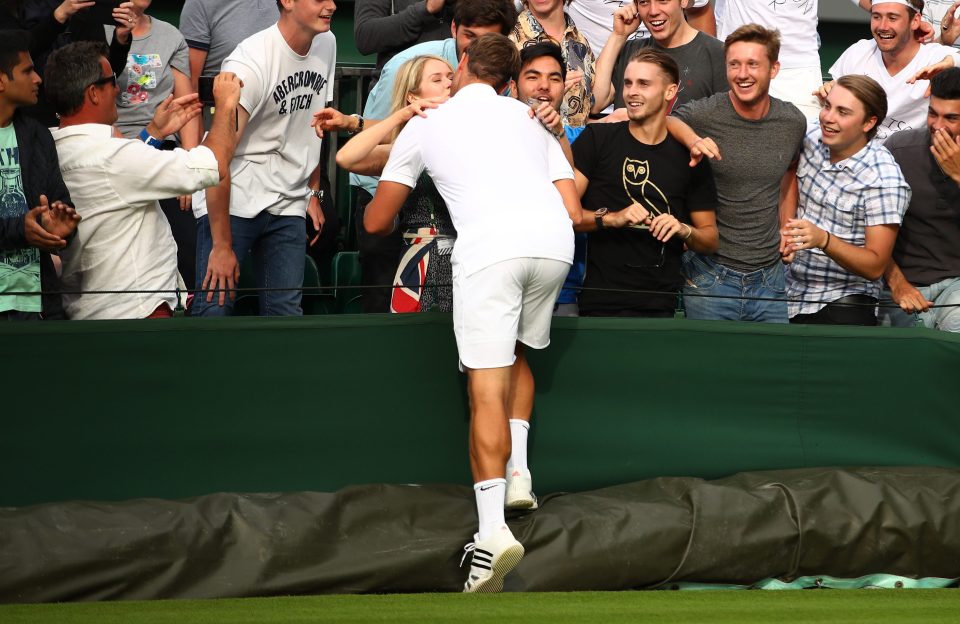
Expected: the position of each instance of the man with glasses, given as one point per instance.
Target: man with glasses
(647, 203)
(126, 244)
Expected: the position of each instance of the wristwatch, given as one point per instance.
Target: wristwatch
(598, 217)
(312, 193)
(359, 124)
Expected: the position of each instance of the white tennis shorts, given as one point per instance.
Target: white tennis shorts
(501, 304)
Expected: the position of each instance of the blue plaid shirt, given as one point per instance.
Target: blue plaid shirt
(843, 198)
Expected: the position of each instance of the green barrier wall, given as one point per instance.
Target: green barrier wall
(170, 409)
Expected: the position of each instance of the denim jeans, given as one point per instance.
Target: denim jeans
(945, 292)
(727, 289)
(278, 245)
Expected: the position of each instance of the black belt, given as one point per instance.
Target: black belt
(855, 300)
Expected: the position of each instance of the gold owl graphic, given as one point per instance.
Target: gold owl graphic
(639, 188)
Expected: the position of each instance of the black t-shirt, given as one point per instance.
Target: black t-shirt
(622, 170)
(928, 244)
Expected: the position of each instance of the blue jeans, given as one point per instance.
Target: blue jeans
(727, 289)
(945, 292)
(278, 245)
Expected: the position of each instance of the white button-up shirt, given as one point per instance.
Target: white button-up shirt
(124, 242)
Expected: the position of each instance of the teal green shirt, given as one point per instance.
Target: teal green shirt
(19, 268)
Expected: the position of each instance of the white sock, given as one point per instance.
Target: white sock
(490, 498)
(518, 442)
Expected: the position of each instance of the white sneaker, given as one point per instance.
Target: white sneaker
(493, 558)
(520, 490)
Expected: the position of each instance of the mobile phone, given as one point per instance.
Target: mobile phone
(102, 12)
(205, 87)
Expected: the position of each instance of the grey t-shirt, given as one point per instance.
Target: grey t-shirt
(755, 157)
(148, 77)
(218, 26)
(702, 67)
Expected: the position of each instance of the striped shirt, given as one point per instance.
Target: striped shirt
(843, 198)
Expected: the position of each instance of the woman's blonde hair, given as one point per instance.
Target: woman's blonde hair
(408, 80)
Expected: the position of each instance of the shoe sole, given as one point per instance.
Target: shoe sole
(504, 564)
(521, 503)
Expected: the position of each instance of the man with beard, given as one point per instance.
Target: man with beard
(646, 202)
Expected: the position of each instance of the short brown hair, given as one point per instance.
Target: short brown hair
(493, 59)
(869, 92)
(661, 59)
(755, 33)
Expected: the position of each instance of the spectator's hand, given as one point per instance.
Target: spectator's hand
(930, 71)
(925, 33)
(223, 272)
(126, 15)
(59, 219)
(434, 6)
(172, 114)
(632, 215)
(226, 90)
(573, 79)
(332, 120)
(549, 117)
(69, 8)
(315, 213)
(419, 107)
(186, 202)
(947, 152)
(665, 225)
(801, 234)
(704, 147)
(824, 90)
(909, 298)
(950, 25)
(626, 20)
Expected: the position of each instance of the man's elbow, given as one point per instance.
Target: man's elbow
(375, 225)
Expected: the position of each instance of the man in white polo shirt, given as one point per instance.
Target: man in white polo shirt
(512, 198)
(892, 57)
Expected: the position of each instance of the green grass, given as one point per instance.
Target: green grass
(741, 607)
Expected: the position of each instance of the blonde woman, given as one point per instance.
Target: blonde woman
(423, 278)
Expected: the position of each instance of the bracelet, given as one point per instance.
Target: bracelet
(149, 140)
(689, 233)
(826, 244)
(359, 124)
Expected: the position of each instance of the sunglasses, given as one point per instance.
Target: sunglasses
(112, 78)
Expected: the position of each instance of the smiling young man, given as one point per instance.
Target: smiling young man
(925, 268)
(891, 57)
(644, 203)
(852, 200)
(287, 73)
(760, 137)
(699, 56)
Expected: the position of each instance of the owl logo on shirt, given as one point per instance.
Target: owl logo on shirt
(639, 188)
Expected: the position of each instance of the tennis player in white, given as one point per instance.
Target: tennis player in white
(512, 198)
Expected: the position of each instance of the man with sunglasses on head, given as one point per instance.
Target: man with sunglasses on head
(126, 243)
(647, 203)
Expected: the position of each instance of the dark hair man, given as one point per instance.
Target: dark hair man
(514, 247)
(895, 58)
(925, 268)
(646, 203)
(126, 243)
(852, 199)
(761, 138)
(699, 56)
(378, 255)
(273, 185)
(30, 176)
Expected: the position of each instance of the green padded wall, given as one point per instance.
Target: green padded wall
(170, 409)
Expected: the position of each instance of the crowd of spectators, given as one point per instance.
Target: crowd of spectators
(720, 176)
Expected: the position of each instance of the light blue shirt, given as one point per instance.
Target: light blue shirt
(378, 102)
